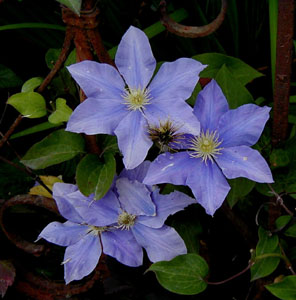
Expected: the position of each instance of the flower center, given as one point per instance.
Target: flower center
(95, 230)
(125, 220)
(205, 146)
(136, 98)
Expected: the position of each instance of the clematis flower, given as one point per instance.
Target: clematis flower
(127, 218)
(222, 150)
(125, 104)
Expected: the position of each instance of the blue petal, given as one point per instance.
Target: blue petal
(176, 79)
(134, 58)
(170, 168)
(137, 173)
(122, 245)
(61, 192)
(133, 140)
(98, 80)
(160, 244)
(94, 116)
(243, 125)
(210, 105)
(208, 185)
(243, 161)
(63, 234)
(81, 258)
(134, 197)
(165, 205)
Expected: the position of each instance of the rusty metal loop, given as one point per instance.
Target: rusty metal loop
(39, 201)
(192, 31)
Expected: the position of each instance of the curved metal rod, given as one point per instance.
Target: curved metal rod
(192, 31)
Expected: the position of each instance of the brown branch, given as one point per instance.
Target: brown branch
(11, 130)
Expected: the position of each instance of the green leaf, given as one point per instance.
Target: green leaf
(240, 187)
(279, 158)
(232, 88)
(57, 147)
(62, 113)
(71, 59)
(285, 289)
(267, 244)
(8, 78)
(94, 175)
(31, 84)
(51, 57)
(30, 104)
(215, 61)
(109, 143)
(282, 221)
(182, 275)
(74, 5)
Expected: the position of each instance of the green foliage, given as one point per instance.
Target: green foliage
(30, 104)
(285, 289)
(282, 222)
(62, 112)
(59, 146)
(8, 78)
(31, 84)
(185, 274)
(279, 158)
(74, 5)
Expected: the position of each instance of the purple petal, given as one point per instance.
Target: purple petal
(133, 140)
(98, 80)
(243, 161)
(63, 234)
(134, 58)
(170, 168)
(134, 197)
(179, 113)
(176, 79)
(210, 105)
(137, 173)
(160, 244)
(122, 245)
(95, 116)
(165, 205)
(81, 258)
(61, 192)
(243, 125)
(208, 185)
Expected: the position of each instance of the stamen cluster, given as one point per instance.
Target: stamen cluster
(136, 98)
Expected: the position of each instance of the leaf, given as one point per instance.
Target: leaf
(57, 147)
(267, 244)
(74, 5)
(215, 61)
(240, 187)
(7, 275)
(49, 181)
(30, 104)
(62, 113)
(8, 79)
(232, 88)
(109, 143)
(279, 158)
(182, 275)
(31, 84)
(51, 57)
(283, 221)
(285, 289)
(95, 176)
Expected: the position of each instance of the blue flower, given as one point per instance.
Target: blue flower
(129, 217)
(222, 149)
(125, 104)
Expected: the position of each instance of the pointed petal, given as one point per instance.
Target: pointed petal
(95, 116)
(208, 185)
(134, 197)
(81, 258)
(210, 105)
(160, 244)
(134, 58)
(137, 173)
(166, 205)
(61, 192)
(122, 245)
(243, 125)
(133, 140)
(176, 79)
(179, 113)
(170, 168)
(243, 161)
(97, 80)
(63, 234)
